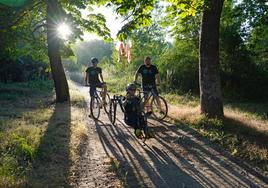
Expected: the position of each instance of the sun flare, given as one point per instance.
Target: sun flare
(64, 31)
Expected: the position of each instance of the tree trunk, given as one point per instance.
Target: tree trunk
(209, 75)
(60, 81)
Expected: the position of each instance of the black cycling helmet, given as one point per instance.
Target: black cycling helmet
(131, 86)
(94, 60)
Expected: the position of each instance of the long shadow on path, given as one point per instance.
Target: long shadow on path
(177, 157)
(51, 166)
(143, 166)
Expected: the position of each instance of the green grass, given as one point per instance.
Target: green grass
(258, 110)
(177, 99)
(239, 133)
(39, 140)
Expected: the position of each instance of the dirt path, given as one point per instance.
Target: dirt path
(177, 157)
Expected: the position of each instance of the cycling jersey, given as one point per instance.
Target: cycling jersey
(148, 74)
(93, 75)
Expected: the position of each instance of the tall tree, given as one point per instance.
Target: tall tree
(209, 77)
(60, 81)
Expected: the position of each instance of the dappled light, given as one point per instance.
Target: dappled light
(121, 94)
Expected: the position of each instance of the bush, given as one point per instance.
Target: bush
(23, 69)
(76, 77)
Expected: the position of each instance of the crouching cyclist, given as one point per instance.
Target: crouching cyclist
(133, 112)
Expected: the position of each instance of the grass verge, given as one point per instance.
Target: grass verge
(242, 134)
(39, 140)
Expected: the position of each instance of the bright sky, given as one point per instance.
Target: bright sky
(112, 22)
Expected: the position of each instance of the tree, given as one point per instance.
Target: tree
(209, 77)
(60, 81)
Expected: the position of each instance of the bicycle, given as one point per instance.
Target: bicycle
(159, 112)
(119, 100)
(96, 103)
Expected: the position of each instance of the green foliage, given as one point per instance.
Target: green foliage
(148, 41)
(23, 31)
(136, 13)
(84, 51)
(22, 69)
(71, 65)
(14, 3)
(77, 77)
(240, 74)
(17, 91)
(179, 67)
(18, 150)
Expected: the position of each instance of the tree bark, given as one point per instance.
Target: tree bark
(209, 75)
(60, 81)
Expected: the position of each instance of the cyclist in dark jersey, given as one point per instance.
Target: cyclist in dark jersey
(93, 73)
(149, 74)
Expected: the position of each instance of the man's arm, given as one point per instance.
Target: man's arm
(101, 77)
(136, 76)
(158, 79)
(86, 79)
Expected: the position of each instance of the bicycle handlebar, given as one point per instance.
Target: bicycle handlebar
(119, 97)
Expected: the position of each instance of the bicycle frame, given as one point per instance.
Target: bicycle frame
(118, 100)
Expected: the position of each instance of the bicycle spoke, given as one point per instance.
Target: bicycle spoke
(95, 108)
(160, 109)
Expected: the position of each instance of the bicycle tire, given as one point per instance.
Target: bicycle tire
(95, 108)
(155, 110)
(145, 128)
(112, 112)
(108, 101)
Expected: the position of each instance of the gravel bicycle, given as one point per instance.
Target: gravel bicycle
(96, 103)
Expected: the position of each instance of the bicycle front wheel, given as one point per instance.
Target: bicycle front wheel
(112, 111)
(107, 104)
(159, 108)
(95, 107)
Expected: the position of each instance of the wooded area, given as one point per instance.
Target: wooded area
(211, 55)
(240, 59)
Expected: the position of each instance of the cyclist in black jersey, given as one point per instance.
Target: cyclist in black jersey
(150, 75)
(93, 73)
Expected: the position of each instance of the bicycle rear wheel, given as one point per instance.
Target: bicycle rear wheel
(112, 111)
(95, 107)
(159, 112)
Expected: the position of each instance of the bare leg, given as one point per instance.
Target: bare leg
(146, 104)
(158, 103)
(104, 92)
